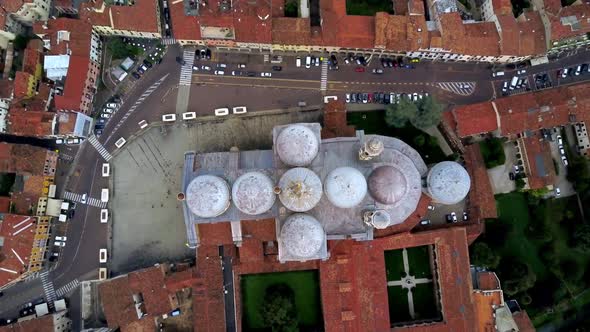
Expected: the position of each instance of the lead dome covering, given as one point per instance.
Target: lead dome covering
(301, 189)
(252, 193)
(297, 145)
(302, 235)
(345, 187)
(387, 185)
(207, 196)
(448, 182)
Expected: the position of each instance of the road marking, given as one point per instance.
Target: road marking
(324, 77)
(459, 88)
(75, 197)
(168, 41)
(187, 69)
(260, 78)
(67, 288)
(258, 85)
(99, 147)
(48, 289)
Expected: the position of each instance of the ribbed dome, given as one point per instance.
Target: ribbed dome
(387, 185)
(448, 182)
(301, 189)
(253, 194)
(297, 145)
(345, 187)
(207, 196)
(302, 235)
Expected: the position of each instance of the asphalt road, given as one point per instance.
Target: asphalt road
(86, 235)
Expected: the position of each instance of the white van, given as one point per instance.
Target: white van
(104, 195)
(104, 216)
(498, 74)
(298, 62)
(106, 170)
(513, 83)
(308, 62)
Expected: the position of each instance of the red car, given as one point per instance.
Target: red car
(370, 97)
(359, 69)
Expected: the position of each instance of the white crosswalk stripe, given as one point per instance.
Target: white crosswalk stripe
(70, 286)
(168, 41)
(460, 88)
(186, 72)
(324, 81)
(48, 289)
(75, 197)
(266, 58)
(99, 147)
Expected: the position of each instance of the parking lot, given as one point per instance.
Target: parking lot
(148, 225)
(443, 214)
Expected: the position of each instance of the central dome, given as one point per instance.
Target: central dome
(301, 189)
(345, 187)
(302, 235)
(297, 145)
(207, 196)
(387, 184)
(253, 194)
(448, 182)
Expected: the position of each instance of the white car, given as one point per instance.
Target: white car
(205, 67)
(415, 96)
(196, 68)
(241, 65)
(327, 99)
(557, 191)
(189, 116)
(59, 244)
(83, 200)
(142, 124)
(564, 160)
(102, 256)
(59, 141)
(108, 110)
(240, 110)
(522, 71)
(61, 238)
(348, 97)
(266, 74)
(219, 72)
(105, 115)
(112, 105)
(221, 111)
(169, 117)
(221, 65)
(104, 195)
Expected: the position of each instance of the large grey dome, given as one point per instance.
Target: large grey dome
(448, 182)
(345, 187)
(301, 189)
(302, 235)
(207, 196)
(387, 184)
(297, 145)
(253, 194)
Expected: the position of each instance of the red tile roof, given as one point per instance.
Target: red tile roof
(261, 230)
(123, 17)
(184, 27)
(23, 122)
(539, 151)
(502, 7)
(12, 6)
(4, 204)
(404, 33)
(78, 42)
(480, 38)
(22, 159)
(32, 57)
(485, 304)
(475, 119)
(522, 320)
(208, 302)
(410, 222)
(482, 204)
(569, 21)
(291, 31)
(75, 84)
(18, 233)
(41, 324)
(532, 34)
(335, 123)
(21, 84)
(215, 234)
(487, 281)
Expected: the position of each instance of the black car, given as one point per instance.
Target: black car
(180, 60)
(584, 68)
(147, 63)
(159, 61)
(353, 97)
(511, 176)
(384, 62)
(203, 54)
(390, 63)
(208, 54)
(277, 68)
(251, 73)
(334, 60)
(386, 98)
(99, 126)
(136, 75)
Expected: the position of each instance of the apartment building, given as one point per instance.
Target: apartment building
(130, 18)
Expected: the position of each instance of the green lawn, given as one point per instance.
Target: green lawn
(425, 302)
(6, 182)
(394, 264)
(419, 261)
(368, 7)
(373, 123)
(399, 311)
(305, 284)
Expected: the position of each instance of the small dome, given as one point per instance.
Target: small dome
(448, 182)
(302, 235)
(253, 194)
(297, 145)
(345, 187)
(381, 219)
(387, 185)
(207, 196)
(301, 189)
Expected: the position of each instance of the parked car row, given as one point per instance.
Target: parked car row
(561, 150)
(452, 217)
(107, 112)
(166, 12)
(383, 97)
(142, 69)
(581, 69)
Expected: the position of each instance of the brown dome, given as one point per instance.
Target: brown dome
(387, 185)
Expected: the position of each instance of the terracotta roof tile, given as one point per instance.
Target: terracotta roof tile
(73, 94)
(541, 170)
(184, 27)
(523, 321)
(208, 302)
(261, 230)
(415, 7)
(22, 159)
(409, 223)
(482, 204)
(21, 84)
(570, 21)
(78, 42)
(18, 232)
(12, 6)
(4, 204)
(215, 234)
(475, 119)
(335, 123)
(479, 38)
(484, 309)
(291, 31)
(502, 7)
(532, 34)
(123, 17)
(41, 324)
(487, 281)
(6, 88)
(397, 32)
(30, 123)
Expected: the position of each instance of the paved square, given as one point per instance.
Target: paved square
(147, 219)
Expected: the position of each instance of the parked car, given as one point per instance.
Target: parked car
(377, 71)
(277, 68)
(265, 74)
(236, 73)
(147, 63)
(112, 105)
(359, 69)
(454, 216)
(251, 74)
(348, 97)
(219, 72)
(465, 216)
(208, 54)
(557, 191)
(207, 68)
(136, 75)
(425, 222)
(221, 65)
(241, 65)
(105, 115)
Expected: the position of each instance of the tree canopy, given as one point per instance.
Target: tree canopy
(424, 113)
(120, 50)
(279, 311)
(482, 255)
(582, 238)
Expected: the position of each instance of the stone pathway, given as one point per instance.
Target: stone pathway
(408, 282)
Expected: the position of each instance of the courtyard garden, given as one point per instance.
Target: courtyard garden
(300, 292)
(410, 287)
(368, 7)
(541, 252)
(373, 123)
(492, 152)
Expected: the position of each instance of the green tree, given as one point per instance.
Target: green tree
(279, 311)
(429, 113)
(578, 174)
(291, 8)
(419, 140)
(482, 255)
(582, 238)
(120, 50)
(398, 115)
(518, 277)
(20, 42)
